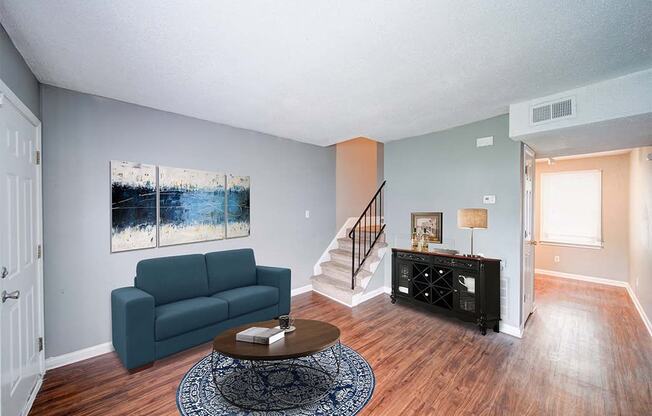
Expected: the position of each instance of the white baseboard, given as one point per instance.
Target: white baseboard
(504, 328)
(640, 309)
(90, 352)
(511, 330)
(592, 279)
(300, 290)
(73, 357)
(369, 295)
(603, 281)
(32, 396)
(332, 298)
(360, 299)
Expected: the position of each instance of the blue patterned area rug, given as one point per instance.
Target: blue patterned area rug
(352, 390)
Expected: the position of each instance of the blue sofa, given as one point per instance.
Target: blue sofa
(182, 301)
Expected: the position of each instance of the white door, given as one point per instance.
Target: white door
(528, 232)
(21, 355)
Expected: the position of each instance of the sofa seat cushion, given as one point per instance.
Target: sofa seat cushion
(187, 315)
(247, 299)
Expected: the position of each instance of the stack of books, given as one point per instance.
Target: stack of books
(258, 335)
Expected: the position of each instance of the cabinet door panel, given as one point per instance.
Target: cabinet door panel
(404, 278)
(466, 296)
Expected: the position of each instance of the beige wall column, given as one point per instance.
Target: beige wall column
(358, 172)
(640, 234)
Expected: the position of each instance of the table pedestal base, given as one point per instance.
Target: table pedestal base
(276, 385)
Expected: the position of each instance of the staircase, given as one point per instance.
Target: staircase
(347, 267)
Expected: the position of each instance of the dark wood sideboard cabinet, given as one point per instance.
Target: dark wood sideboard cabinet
(467, 288)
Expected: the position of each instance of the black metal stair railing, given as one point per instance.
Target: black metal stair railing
(365, 232)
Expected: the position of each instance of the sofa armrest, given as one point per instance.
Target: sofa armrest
(132, 321)
(280, 278)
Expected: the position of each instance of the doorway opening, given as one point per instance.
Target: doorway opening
(591, 222)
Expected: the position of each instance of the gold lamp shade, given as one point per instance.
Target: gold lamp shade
(472, 218)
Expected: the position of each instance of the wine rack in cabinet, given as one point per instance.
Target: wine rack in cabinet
(467, 288)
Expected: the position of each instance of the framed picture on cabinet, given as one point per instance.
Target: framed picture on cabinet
(428, 224)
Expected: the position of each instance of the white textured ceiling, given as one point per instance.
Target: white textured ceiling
(327, 71)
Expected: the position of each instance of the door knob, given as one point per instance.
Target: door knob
(4, 272)
(12, 295)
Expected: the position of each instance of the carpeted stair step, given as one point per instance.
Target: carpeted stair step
(344, 257)
(335, 288)
(342, 272)
(346, 279)
(347, 244)
(364, 230)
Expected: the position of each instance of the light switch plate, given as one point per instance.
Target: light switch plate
(307, 213)
(484, 141)
(489, 199)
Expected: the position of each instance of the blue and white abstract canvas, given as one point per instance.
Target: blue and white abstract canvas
(191, 206)
(237, 200)
(133, 206)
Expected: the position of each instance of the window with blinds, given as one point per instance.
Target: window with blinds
(571, 208)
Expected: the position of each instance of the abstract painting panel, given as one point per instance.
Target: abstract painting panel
(237, 200)
(133, 206)
(191, 206)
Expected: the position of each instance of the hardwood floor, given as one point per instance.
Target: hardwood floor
(585, 352)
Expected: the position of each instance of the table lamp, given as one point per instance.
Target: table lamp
(472, 218)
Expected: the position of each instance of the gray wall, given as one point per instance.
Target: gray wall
(16, 74)
(82, 133)
(445, 171)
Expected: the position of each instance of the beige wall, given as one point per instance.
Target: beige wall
(640, 231)
(358, 169)
(611, 261)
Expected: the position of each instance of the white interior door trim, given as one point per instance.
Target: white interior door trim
(6, 94)
(9, 94)
(527, 279)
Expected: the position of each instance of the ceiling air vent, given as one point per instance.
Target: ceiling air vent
(542, 113)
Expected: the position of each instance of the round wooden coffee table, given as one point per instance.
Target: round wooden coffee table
(297, 370)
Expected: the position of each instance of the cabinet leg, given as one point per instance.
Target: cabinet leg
(496, 328)
(482, 324)
(392, 298)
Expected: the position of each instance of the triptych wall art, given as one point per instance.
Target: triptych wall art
(193, 206)
(133, 206)
(237, 211)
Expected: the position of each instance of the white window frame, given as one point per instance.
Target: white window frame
(544, 239)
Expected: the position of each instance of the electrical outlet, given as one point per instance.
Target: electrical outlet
(556, 259)
(307, 213)
(489, 199)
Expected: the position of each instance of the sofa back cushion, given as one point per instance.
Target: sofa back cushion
(174, 278)
(230, 269)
